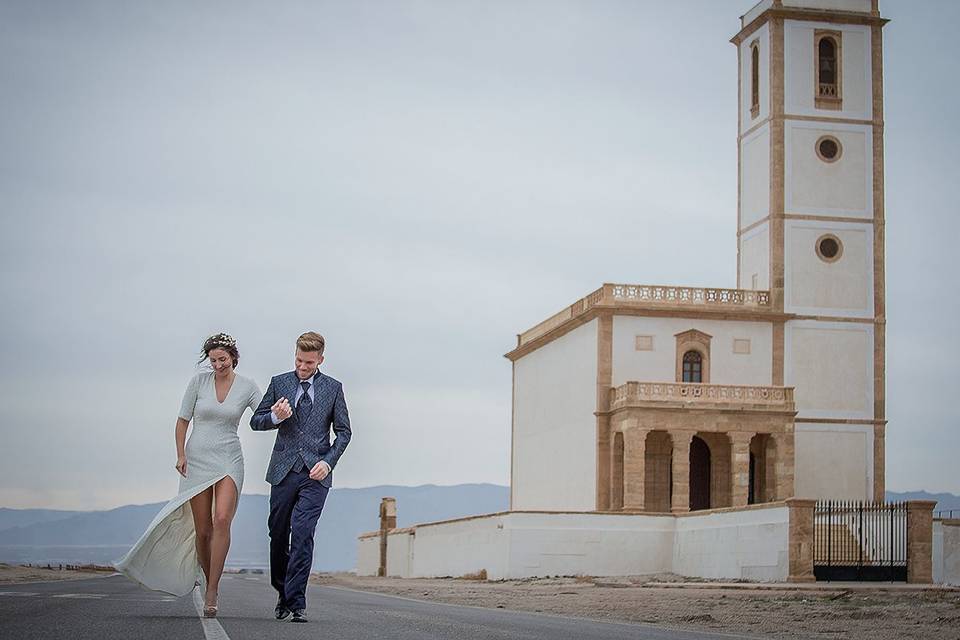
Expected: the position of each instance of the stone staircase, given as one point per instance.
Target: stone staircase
(844, 545)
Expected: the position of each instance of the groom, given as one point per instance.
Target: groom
(303, 405)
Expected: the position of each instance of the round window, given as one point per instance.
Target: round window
(829, 149)
(829, 248)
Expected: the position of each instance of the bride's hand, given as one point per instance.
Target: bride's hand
(182, 466)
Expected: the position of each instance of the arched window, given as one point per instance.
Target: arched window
(828, 65)
(692, 366)
(827, 48)
(754, 81)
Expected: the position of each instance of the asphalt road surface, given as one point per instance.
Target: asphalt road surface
(113, 607)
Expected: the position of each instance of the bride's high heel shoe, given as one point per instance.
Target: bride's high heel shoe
(210, 610)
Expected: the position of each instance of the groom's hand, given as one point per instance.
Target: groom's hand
(320, 471)
(281, 409)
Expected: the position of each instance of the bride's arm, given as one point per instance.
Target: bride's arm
(181, 437)
(187, 407)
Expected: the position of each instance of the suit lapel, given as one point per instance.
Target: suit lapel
(291, 384)
(318, 382)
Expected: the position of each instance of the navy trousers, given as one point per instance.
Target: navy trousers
(295, 506)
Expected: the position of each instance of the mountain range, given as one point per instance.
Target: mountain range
(42, 536)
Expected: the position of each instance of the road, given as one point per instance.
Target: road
(113, 607)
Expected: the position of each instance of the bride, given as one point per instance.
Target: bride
(192, 532)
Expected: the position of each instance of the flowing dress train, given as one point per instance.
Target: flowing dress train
(165, 557)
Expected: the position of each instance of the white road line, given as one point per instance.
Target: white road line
(211, 626)
(18, 593)
(81, 596)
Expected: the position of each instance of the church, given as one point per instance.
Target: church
(706, 431)
(671, 398)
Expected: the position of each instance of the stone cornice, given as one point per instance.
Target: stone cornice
(809, 15)
(650, 301)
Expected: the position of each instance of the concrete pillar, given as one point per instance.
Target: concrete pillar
(634, 468)
(800, 540)
(920, 540)
(680, 502)
(388, 521)
(740, 467)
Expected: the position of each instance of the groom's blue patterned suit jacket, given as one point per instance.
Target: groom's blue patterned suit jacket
(308, 440)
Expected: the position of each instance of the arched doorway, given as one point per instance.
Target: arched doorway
(699, 474)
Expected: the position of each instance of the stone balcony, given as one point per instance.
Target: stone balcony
(702, 396)
(653, 298)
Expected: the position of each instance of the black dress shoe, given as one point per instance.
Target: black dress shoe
(281, 611)
(298, 616)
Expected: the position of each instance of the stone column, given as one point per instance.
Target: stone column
(920, 540)
(604, 383)
(388, 521)
(634, 468)
(784, 463)
(879, 462)
(681, 470)
(740, 467)
(615, 492)
(800, 540)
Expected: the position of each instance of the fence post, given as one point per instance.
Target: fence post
(388, 521)
(800, 543)
(920, 540)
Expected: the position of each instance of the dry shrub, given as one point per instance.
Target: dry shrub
(479, 575)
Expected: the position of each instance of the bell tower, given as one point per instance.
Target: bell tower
(810, 226)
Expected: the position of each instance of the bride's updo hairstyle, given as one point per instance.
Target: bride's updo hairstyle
(221, 341)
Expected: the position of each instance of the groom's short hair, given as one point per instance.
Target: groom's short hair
(311, 341)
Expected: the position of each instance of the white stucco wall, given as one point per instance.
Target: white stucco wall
(755, 258)
(368, 556)
(588, 544)
(843, 5)
(762, 37)
(399, 553)
(946, 552)
(855, 75)
(659, 365)
(833, 461)
(813, 286)
(748, 545)
(461, 547)
(554, 428)
(813, 186)
(831, 366)
(755, 176)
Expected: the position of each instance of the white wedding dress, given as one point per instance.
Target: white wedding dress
(165, 557)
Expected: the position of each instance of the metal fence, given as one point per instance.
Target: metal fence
(860, 541)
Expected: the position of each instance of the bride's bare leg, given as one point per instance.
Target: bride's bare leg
(224, 510)
(201, 505)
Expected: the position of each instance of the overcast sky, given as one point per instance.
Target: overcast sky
(419, 181)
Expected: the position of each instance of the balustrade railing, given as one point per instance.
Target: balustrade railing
(828, 90)
(685, 392)
(653, 296)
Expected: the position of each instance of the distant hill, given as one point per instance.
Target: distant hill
(102, 536)
(945, 501)
(23, 517)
